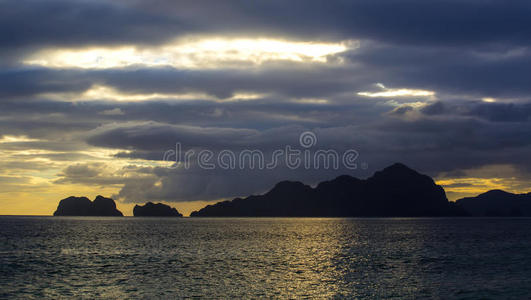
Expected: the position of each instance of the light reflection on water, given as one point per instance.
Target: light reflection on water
(264, 257)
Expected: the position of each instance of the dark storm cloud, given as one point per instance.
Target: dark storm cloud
(27, 25)
(460, 135)
(56, 120)
(495, 112)
(159, 137)
(151, 135)
(461, 50)
(413, 21)
(426, 135)
(98, 174)
(430, 145)
(503, 112)
(83, 170)
(198, 184)
(15, 83)
(401, 110)
(52, 23)
(291, 79)
(485, 71)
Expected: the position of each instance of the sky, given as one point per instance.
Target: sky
(94, 93)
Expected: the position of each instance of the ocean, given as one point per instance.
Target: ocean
(400, 258)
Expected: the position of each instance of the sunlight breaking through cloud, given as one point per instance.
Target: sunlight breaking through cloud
(16, 139)
(190, 53)
(108, 93)
(387, 93)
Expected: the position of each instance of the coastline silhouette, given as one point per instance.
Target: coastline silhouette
(395, 191)
(497, 203)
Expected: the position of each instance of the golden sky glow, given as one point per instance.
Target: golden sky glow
(480, 180)
(30, 178)
(189, 53)
(16, 139)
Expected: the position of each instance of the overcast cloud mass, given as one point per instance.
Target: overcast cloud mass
(92, 93)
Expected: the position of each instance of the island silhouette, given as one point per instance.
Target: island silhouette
(497, 203)
(395, 191)
(82, 206)
(151, 209)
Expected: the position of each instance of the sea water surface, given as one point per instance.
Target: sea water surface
(105, 257)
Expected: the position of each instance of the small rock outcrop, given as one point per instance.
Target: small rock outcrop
(155, 210)
(82, 206)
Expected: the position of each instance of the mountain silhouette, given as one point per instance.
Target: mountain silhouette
(396, 191)
(155, 210)
(82, 206)
(497, 203)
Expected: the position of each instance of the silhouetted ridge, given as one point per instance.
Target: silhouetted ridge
(497, 203)
(82, 206)
(288, 187)
(403, 191)
(496, 193)
(398, 168)
(394, 191)
(155, 210)
(340, 180)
